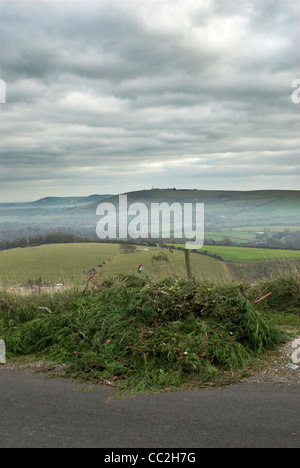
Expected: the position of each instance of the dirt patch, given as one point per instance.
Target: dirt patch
(278, 366)
(30, 363)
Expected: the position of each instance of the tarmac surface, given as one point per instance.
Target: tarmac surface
(38, 412)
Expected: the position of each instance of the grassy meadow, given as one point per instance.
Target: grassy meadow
(66, 263)
(69, 263)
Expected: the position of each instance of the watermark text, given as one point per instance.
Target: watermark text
(296, 353)
(2, 92)
(296, 93)
(158, 221)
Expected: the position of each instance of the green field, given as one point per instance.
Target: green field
(245, 254)
(248, 254)
(65, 263)
(241, 237)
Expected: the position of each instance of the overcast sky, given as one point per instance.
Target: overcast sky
(119, 95)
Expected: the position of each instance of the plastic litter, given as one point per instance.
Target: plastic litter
(292, 366)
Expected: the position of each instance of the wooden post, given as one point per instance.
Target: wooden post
(188, 264)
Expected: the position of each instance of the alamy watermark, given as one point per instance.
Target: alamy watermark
(296, 353)
(2, 92)
(158, 221)
(296, 93)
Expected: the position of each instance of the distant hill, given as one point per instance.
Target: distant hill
(230, 208)
(224, 210)
(71, 200)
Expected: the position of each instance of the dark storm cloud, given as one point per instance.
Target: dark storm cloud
(148, 90)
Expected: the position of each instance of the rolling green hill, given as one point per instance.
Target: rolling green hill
(224, 208)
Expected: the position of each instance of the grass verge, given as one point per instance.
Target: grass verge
(145, 337)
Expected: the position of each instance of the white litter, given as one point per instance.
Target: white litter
(45, 308)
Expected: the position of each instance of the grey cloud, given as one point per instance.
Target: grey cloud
(109, 85)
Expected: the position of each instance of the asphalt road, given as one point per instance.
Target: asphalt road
(36, 412)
